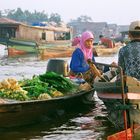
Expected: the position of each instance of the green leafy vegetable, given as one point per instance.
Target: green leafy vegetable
(59, 82)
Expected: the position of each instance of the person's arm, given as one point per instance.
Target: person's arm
(121, 60)
(78, 63)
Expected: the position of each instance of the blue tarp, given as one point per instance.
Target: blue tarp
(39, 24)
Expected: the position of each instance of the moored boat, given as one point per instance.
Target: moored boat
(55, 52)
(103, 51)
(43, 51)
(51, 50)
(21, 47)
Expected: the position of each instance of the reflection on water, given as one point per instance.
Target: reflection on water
(82, 124)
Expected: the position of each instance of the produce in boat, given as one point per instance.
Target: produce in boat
(45, 86)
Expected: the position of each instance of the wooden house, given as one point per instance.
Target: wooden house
(13, 29)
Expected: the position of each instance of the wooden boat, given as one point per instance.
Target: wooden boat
(17, 47)
(21, 47)
(121, 100)
(43, 51)
(102, 51)
(55, 52)
(16, 113)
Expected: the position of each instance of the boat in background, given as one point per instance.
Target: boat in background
(103, 51)
(17, 47)
(44, 51)
(55, 50)
(22, 39)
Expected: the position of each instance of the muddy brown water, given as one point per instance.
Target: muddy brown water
(87, 123)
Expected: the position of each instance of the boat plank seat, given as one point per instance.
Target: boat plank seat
(133, 84)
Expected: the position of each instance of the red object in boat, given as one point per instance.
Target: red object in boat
(14, 52)
(121, 135)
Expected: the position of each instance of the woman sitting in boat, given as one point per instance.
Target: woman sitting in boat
(76, 43)
(79, 66)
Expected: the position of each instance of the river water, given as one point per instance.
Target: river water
(82, 124)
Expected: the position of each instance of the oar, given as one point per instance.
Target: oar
(123, 98)
(96, 71)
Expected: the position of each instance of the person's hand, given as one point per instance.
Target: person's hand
(89, 61)
(101, 72)
(113, 64)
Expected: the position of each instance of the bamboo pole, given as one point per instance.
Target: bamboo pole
(96, 71)
(124, 101)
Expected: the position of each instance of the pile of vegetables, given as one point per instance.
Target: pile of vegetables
(11, 89)
(45, 86)
(58, 82)
(39, 90)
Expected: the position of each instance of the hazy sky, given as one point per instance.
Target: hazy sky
(121, 12)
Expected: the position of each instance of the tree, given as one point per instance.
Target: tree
(17, 15)
(55, 17)
(82, 18)
(38, 17)
(26, 16)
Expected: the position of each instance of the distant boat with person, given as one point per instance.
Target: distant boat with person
(104, 51)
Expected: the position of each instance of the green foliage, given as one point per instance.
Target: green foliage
(55, 17)
(47, 83)
(35, 87)
(30, 17)
(40, 87)
(82, 18)
(59, 82)
(16, 15)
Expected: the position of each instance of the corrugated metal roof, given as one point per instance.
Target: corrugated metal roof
(8, 21)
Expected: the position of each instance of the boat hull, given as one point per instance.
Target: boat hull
(115, 110)
(27, 112)
(45, 51)
(110, 94)
(21, 47)
(55, 52)
(102, 51)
